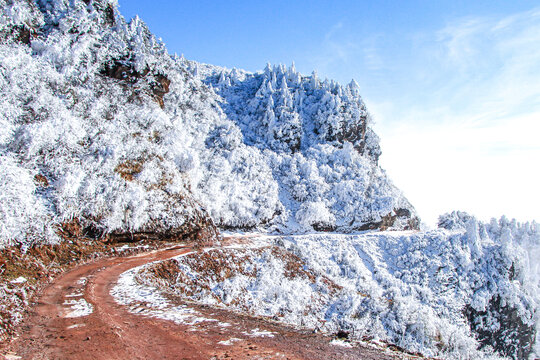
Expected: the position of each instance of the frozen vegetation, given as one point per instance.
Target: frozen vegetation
(100, 124)
(468, 290)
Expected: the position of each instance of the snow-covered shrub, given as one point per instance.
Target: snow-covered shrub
(24, 215)
(456, 220)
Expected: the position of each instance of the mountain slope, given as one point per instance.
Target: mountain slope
(86, 138)
(104, 127)
(468, 290)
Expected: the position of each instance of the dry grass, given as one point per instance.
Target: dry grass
(129, 169)
(216, 266)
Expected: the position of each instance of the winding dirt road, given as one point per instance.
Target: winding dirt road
(113, 331)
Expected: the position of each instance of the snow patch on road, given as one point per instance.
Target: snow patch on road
(78, 308)
(75, 326)
(229, 342)
(147, 300)
(259, 333)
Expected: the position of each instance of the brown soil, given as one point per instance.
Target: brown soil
(41, 263)
(113, 332)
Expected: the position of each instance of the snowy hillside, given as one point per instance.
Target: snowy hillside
(85, 137)
(102, 127)
(459, 293)
(316, 138)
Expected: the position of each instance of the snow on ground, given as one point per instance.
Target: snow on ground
(78, 308)
(230, 341)
(456, 293)
(339, 342)
(19, 280)
(259, 333)
(127, 247)
(74, 326)
(147, 300)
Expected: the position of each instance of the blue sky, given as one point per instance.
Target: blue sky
(454, 86)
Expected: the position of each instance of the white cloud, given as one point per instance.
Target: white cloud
(495, 62)
(460, 42)
(468, 136)
(488, 171)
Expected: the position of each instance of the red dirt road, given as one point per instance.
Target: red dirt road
(111, 331)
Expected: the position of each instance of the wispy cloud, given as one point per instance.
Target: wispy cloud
(465, 136)
(343, 48)
(496, 63)
(461, 42)
(371, 53)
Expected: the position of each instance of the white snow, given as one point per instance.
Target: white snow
(230, 341)
(130, 247)
(259, 333)
(19, 280)
(74, 326)
(147, 300)
(342, 343)
(75, 294)
(407, 288)
(78, 308)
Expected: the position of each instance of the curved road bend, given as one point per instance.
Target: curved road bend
(111, 331)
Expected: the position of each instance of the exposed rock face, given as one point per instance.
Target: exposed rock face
(160, 87)
(400, 216)
(501, 327)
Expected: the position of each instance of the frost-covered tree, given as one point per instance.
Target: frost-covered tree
(128, 140)
(317, 138)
